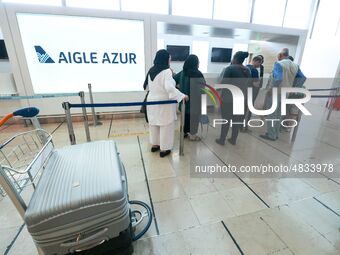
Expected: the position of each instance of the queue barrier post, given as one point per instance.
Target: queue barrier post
(296, 128)
(85, 118)
(181, 133)
(95, 118)
(72, 137)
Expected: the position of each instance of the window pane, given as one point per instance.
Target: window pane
(193, 8)
(269, 12)
(327, 19)
(201, 50)
(97, 4)
(41, 2)
(233, 10)
(299, 13)
(150, 6)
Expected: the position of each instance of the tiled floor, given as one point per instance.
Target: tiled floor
(223, 216)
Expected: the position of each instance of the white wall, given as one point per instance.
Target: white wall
(268, 49)
(7, 84)
(321, 58)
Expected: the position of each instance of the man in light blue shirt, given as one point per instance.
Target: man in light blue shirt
(285, 74)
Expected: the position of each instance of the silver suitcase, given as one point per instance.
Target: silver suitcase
(81, 200)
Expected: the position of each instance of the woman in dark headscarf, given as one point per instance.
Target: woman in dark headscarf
(238, 75)
(160, 63)
(162, 118)
(191, 81)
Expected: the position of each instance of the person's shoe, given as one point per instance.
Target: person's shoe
(267, 137)
(231, 141)
(162, 154)
(194, 138)
(220, 142)
(155, 148)
(186, 135)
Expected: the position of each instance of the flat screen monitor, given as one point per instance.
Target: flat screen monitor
(65, 53)
(3, 51)
(221, 55)
(178, 53)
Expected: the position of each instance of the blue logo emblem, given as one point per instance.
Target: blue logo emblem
(42, 55)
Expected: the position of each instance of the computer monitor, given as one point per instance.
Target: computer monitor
(178, 53)
(221, 55)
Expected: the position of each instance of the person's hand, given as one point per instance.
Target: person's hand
(186, 98)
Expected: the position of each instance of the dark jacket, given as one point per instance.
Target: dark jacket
(239, 76)
(193, 88)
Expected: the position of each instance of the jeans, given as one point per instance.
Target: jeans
(273, 127)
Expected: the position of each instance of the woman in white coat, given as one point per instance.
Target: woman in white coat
(162, 118)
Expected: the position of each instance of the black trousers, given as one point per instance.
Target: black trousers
(255, 93)
(227, 114)
(191, 122)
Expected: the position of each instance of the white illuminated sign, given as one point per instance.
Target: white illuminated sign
(65, 53)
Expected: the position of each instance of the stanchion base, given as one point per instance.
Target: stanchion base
(98, 124)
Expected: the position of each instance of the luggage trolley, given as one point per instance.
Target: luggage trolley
(79, 202)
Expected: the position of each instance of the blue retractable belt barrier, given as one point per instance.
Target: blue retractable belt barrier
(322, 89)
(324, 96)
(38, 96)
(123, 104)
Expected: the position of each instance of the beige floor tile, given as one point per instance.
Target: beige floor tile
(138, 191)
(166, 189)
(9, 217)
(332, 200)
(24, 245)
(180, 164)
(285, 251)
(300, 237)
(135, 174)
(283, 191)
(222, 184)
(201, 240)
(169, 244)
(196, 186)
(7, 235)
(322, 185)
(320, 154)
(175, 215)
(210, 239)
(242, 200)
(158, 168)
(253, 235)
(319, 218)
(211, 207)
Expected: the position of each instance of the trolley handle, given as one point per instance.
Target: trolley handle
(28, 112)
